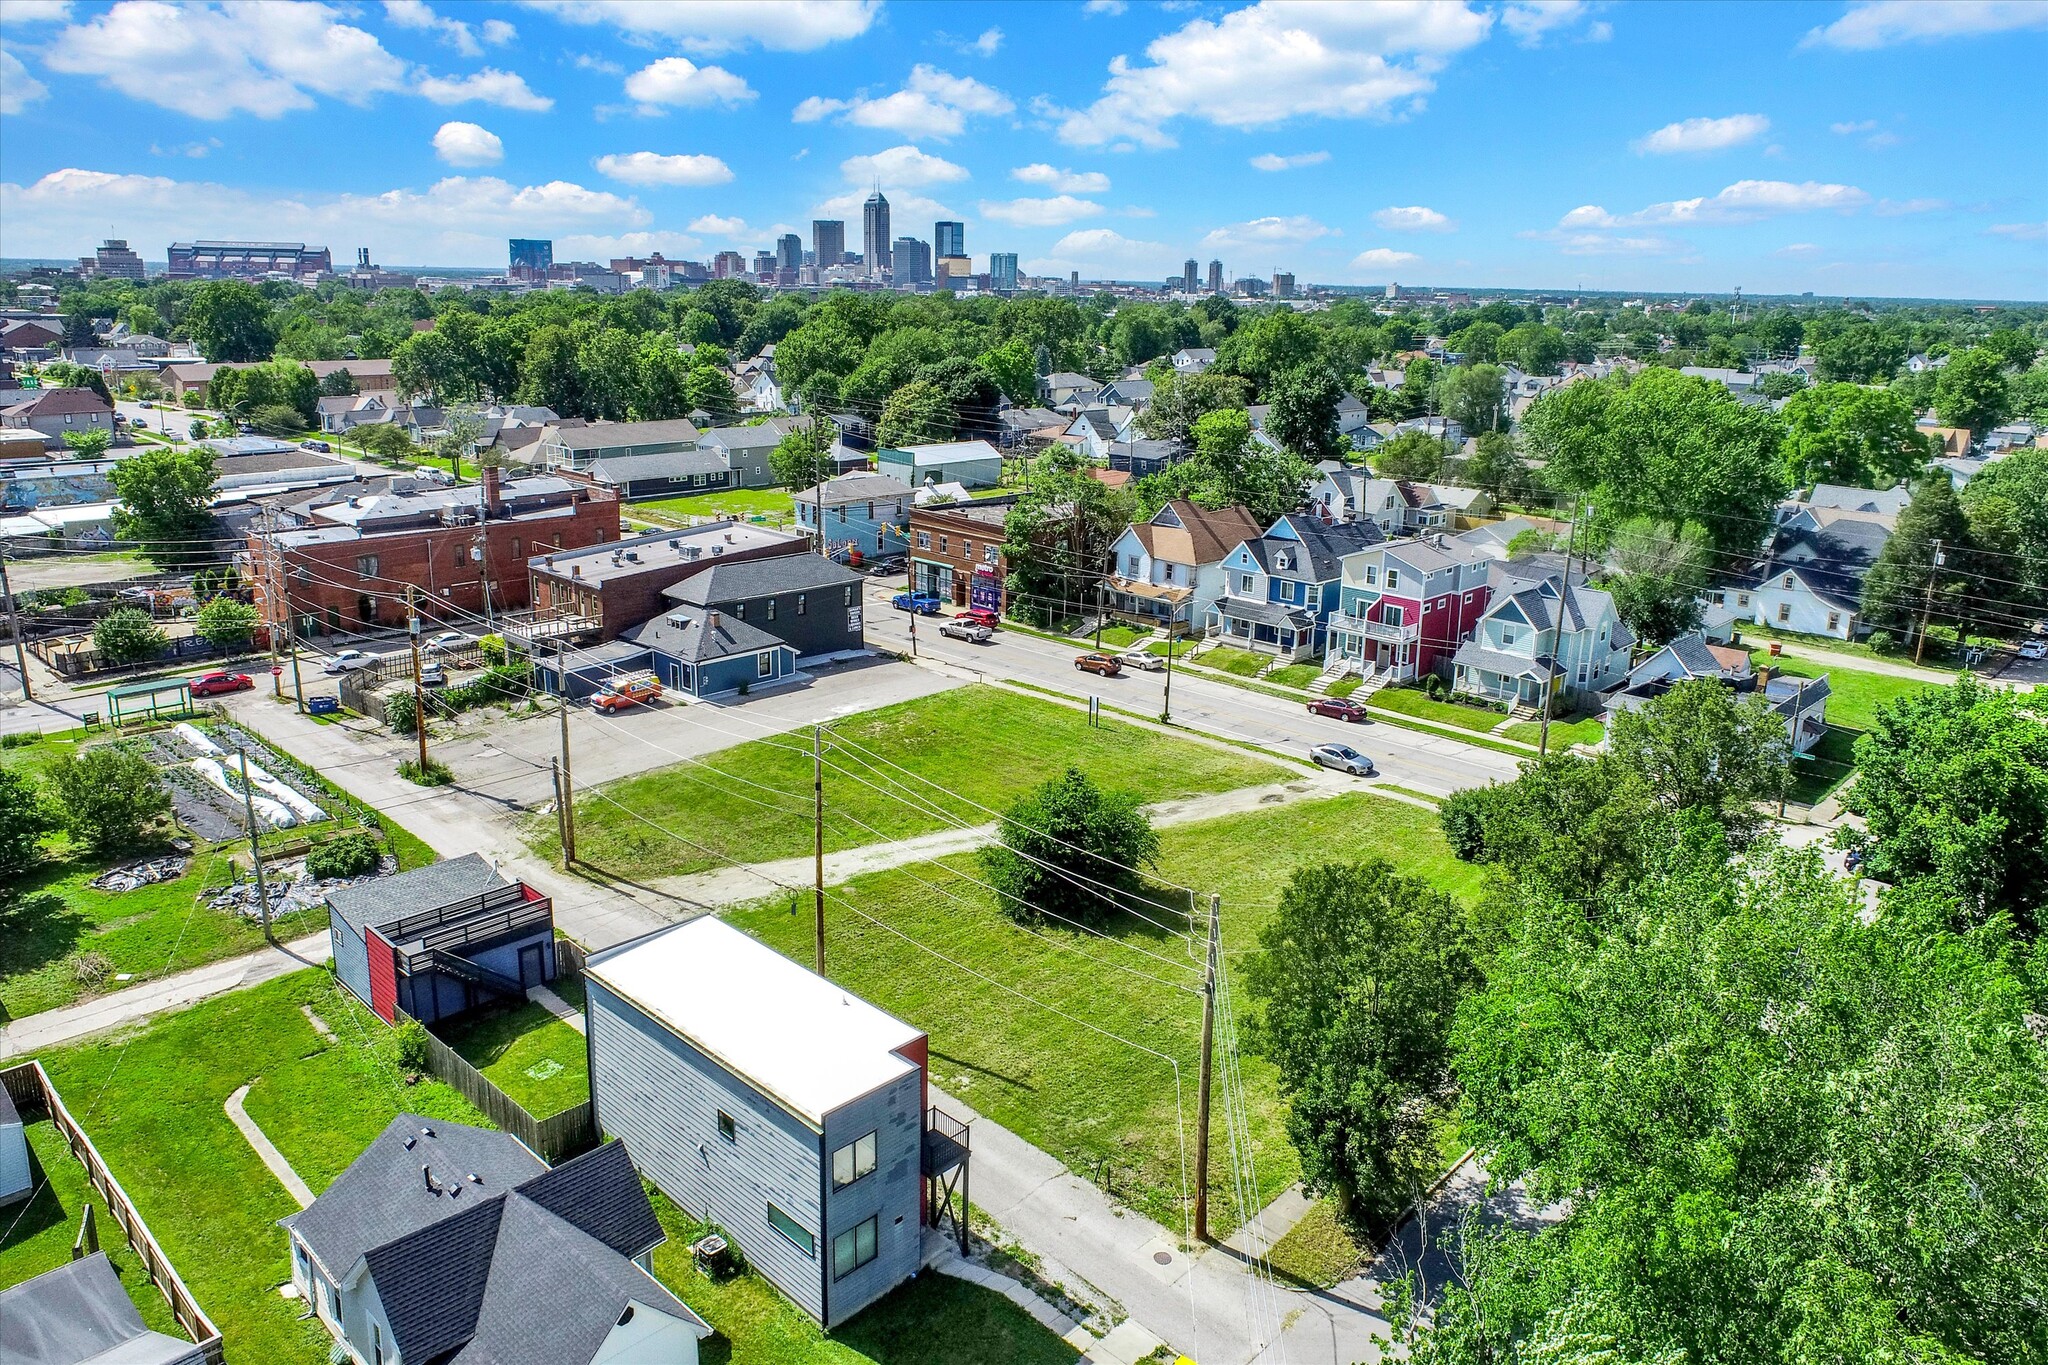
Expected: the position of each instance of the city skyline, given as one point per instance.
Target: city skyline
(1803, 158)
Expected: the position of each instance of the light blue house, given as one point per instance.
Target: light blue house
(1279, 589)
(865, 512)
(765, 1099)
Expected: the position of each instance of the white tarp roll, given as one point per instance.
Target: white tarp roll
(275, 813)
(192, 736)
(264, 782)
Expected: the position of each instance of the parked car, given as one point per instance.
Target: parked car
(447, 639)
(883, 568)
(972, 631)
(1104, 664)
(2036, 648)
(214, 684)
(1142, 659)
(980, 616)
(631, 692)
(1344, 759)
(320, 446)
(145, 403)
(347, 661)
(1338, 708)
(922, 603)
(433, 675)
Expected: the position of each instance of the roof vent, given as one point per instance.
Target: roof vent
(718, 550)
(675, 544)
(426, 1132)
(409, 1141)
(475, 1179)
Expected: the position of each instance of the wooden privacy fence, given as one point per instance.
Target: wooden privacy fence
(551, 1138)
(28, 1085)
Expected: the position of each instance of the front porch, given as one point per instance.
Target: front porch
(1382, 649)
(1152, 605)
(1265, 628)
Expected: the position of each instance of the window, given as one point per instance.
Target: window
(728, 1128)
(739, 609)
(967, 549)
(842, 515)
(366, 566)
(803, 604)
(1834, 621)
(855, 1247)
(991, 553)
(1784, 612)
(1507, 639)
(771, 609)
(1372, 575)
(790, 1228)
(767, 665)
(924, 540)
(1244, 583)
(854, 1161)
(871, 511)
(1130, 566)
(1393, 578)
(942, 546)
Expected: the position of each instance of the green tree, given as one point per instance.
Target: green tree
(127, 635)
(2030, 395)
(1415, 455)
(432, 365)
(1781, 384)
(110, 797)
(1953, 784)
(1576, 827)
(227, 624)
(1661, 570)
(803, 459)
(1303, 415)
(1532, 347)
(1971, 391)
(1847, 434)
(2015, 348)
(277, 420)
(919, 413)
(385, 441)
(25, 820)
(1180, 401)
(1010, 366)
(1862, 354)
(89, 444)
(231, 322)
(167, 504)
(1475, 397)
(337, 384)
(1476, 342)
(1058, 538)
(461, 429)
(709, 390)
(1358, 979)
(1067, 850)
(1896, 589)
(62, 374)
(1497, 466)
(1704, 749)
(2013, 492)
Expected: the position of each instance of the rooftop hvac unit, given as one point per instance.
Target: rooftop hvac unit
(632, 556)
(717, 550)
(675, 544)
(692, 551)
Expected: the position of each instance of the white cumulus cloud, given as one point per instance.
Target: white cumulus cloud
(1062, 180)
(1274, 61)
(715, 26)
(1745, 201)
(1887, 23)
(932, 103)
(680, 82)
(584, 246)
(1273, 161)
(654, 168)
(1413, 218)
(1056, 211)
(908, 166)
(34, 12)
(714, 225)
(506, 89)
(1531, 21)
(2021, 232)
(417, 14)
(1382, 258)
(1703, 135)
(18, 89)
(1104, 252)
(468, 144)
(1270, 231)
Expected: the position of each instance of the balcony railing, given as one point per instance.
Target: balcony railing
(1379, 630)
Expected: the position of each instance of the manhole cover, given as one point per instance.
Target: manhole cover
(1163, 1257)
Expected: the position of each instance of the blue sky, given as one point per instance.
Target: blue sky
(1878, 149)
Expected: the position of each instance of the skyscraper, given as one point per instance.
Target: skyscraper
(1002, 271)
(532, 258)
(764, 263)
(789, 252)
(828, 241)
(949, 239)
(1190, 276)
(1215, 277)
(912, 260)
(874, 233)
(1283, 285)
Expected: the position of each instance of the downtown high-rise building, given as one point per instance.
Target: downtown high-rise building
(912, 261)
(789, 252)
(1283, 285)
(949, 239)
(874, 234)
(828, 241)
(727, 265)
(1002, 271)
(531, 258)
(764, 263)
(1215, 277)
(1190, 276)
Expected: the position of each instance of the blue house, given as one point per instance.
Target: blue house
(441, 939)
(763, 1098)
(1280, 588)
(863, 511)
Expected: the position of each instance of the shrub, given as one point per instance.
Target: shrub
(433, 774)
(494, 650)
(409, 1045)
(1881, 642)
(1942, 640)
(25, 817)
(400, 714)
(127, 636)
(109, 797)
(346, 855)
(90, 969)
(1463, 818)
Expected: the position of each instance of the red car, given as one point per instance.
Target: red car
(1104, 664)
(981, 616)
(213, 684)
(1338, 708)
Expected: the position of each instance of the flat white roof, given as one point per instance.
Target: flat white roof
(796, 1037)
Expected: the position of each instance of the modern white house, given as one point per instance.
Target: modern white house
(1539, 634)
(1170, 569)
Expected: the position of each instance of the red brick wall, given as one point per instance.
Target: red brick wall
(624, 600)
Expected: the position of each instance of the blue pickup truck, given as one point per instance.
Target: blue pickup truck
(922, 603)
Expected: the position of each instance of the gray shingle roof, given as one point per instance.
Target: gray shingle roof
(424, 888)
(611, 435)
(743, 580)
(78, 1314)
(667, 464)
(686, 634)
(1318, 555)
(599, 1193)
(1267, 613)
(1472, 654)
(431, 1283)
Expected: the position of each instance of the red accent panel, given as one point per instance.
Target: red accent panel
(383, 977)
(919, 1053)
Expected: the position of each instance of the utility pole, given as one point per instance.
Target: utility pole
(419, 698)
(555, 778)
(1798, 705)
(818, 837)
(567, 804)
(1098, 616)
(1556, 632)
(298, 683)
(1172, 645)
(1926, 605)
(255, 849)
(14, 625)
(1208, 1067)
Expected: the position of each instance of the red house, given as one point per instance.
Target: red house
(1405, 605)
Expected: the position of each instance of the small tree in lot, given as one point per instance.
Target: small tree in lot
(127, 636)
(227, 625)
(25, 817)
(110, 797)
(1067, 847)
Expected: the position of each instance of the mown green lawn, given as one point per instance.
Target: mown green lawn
(1319, 1251)
(1853, 694)
(1563, 734)
(1105, 1108)
(37, 1236)
(1121, 637)
(535, 1058)
(985, 745)
(1294, 675)
(151, 1101)
(1230, 659)
(1411, 701)
(774, 503)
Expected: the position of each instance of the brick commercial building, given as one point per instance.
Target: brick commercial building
(956, 551)
(600, 593)
(191, 378)
(344, 563)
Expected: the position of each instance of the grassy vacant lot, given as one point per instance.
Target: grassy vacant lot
(1104, 1108)
(930, 1321)
(1411, 701)
(1563, 734)
(773, 503)
(37, 1236)
(152, 1103)
(532, 1056)
(984, 744)
(1853, 694)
